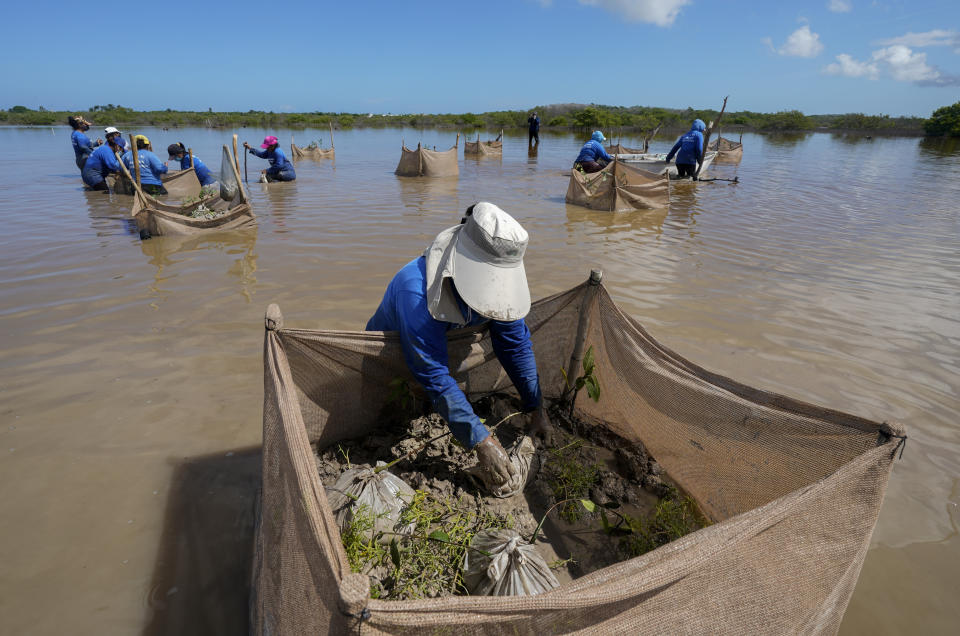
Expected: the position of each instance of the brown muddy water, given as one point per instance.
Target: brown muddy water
(131, 375)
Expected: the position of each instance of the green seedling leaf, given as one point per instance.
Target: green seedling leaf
(588, 361)
(593, 388)
(589, 505)
(566, 382)
(395, 553)
(439, 535)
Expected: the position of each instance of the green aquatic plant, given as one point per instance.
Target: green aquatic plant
(428, 562)
(570, 474)
(674, 516)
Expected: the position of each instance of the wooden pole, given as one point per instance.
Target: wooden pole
(136, 159)
(457, 144)
(331, 135)
(190, 150)
(236, 160)
(706, 139)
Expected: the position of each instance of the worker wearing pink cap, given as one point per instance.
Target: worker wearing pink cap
(280, 168)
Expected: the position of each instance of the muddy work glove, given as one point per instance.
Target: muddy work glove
(541, 426)
(495, 465)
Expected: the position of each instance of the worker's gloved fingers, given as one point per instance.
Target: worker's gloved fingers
(495, 461)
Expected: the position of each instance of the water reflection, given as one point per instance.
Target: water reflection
(238, 246)
(786, 139)
(852, 139)
(939, 146)
(426, 194)
(636, 222)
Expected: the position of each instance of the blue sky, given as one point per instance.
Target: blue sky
(826, 56)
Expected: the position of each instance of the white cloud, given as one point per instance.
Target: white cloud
(801, 43)
(905, 65)
(899, 62)
(849, 67)
(659, 12)
(936, 37)
(839, 6)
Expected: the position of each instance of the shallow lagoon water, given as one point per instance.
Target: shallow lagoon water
(131, 371)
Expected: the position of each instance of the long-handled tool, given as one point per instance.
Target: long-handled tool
(245, 153)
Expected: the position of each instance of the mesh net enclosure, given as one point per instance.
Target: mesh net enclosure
(489, 148)
(188, 208)
(726, 149)
(618, 188)
(618, 149)
(793, 489)
(428, 163)
(313, 151)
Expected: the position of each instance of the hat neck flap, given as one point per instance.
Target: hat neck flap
(441, 301)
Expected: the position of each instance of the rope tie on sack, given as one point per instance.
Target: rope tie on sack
(890, 430)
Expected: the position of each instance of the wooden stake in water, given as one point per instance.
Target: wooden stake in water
(136, 160)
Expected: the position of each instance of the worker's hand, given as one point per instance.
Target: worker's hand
(494, 462)
(99, 141)
(246, 145)
(541, 426)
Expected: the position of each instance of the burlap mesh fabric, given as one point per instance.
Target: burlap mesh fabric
(618, 188)
(490, 148)
(428, 163)
(794, 489)
(618, 149)
(312, 153)
(172, 213)
(726, 149)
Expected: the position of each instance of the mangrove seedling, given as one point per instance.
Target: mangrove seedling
(570, 473)
(588, 379)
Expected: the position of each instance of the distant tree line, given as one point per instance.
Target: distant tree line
(944, 121)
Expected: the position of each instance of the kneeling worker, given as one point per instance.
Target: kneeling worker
(151, 168)
(472, 273)
(280, 167)
(592, 157)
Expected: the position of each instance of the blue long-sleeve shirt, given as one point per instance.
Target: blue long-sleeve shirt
(82, 146)
(278, 160)
(150, 166)
(100, 163)
(591, 151)
(203, 172)
(424, 342)
(690, 145)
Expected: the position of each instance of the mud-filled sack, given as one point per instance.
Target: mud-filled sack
(383, 496)
(513, 567)
(521, 455)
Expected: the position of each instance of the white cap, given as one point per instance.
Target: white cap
(484, 258)
(110, 130)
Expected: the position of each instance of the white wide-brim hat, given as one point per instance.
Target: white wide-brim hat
(483, 258)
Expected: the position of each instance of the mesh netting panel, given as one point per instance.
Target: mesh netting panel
(483, 148)
(184, 210)
(428, 163)
(618, 149)
(726, 149)
(618, 188)
(311, 153)
(795, 489)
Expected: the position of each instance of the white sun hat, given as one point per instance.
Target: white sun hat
(483, 258)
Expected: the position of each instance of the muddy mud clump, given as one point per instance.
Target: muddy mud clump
(608, 499)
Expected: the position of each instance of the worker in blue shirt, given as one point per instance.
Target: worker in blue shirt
(151, 168)
(690, 147)
(592, 157)
(82, 146)
(100, 163)
(280, 168)
(472, 273)
(178, 152)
